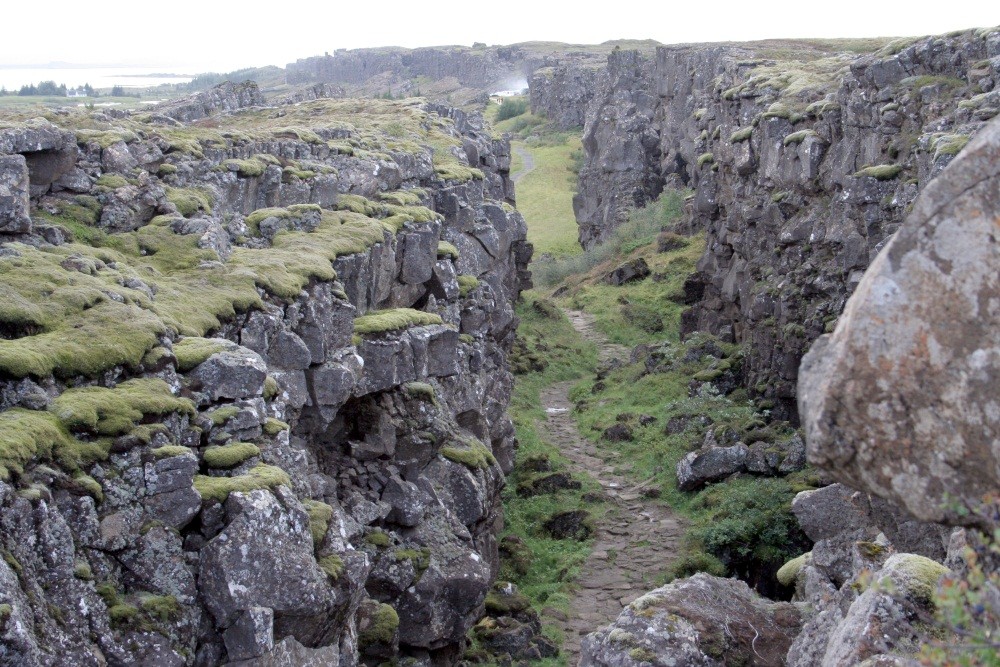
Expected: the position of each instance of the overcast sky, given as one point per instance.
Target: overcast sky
(213, 35)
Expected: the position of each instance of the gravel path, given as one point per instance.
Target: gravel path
(528, 163)
(636, 538)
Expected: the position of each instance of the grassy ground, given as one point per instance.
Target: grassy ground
(739, 527)
(545, 194)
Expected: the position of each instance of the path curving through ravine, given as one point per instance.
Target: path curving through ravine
(634, 541)
(527, 163)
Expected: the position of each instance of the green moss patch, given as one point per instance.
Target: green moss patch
(380, 628)
(741, 135)
(112, 181)
(295, 258)
(294, 212)
(798, 137)
(393, 320)
(231, 455)
(789, 572)
(446, 249)
(466, 284)
(194, 350)
(26, 435)
(189, 201)
(473, 455)
(259, 477)
(420, 390)
(882, 172)
(378, 538)
(319, 519)
(333, 565)
(273, 427)
(116, 411)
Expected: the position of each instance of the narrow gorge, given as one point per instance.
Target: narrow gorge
(277, 388)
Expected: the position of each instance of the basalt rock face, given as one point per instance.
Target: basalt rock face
(395, 69)
(231, 434)
(800, 168)
(900, 404)
(620, 141)
(562, 93)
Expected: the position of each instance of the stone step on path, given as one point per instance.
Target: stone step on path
(635, 540)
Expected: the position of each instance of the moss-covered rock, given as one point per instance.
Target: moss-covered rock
(788, 572)
(380, 627)
(231, 455)
(259, 477)
(392, 320)
(912, 576)
(472, 454)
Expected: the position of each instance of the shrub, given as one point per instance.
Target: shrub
(511, 107)
(749, 526)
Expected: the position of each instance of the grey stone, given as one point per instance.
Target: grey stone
(251, 635)
(922, 325)
(235, 571)
(117, 158)
(170, 485)
(702, 621)
(636, 269)
(290, 653)
(234, 373)
(14, 193)
(289, 351)
(830, 511)
(710, 465)
(407, 501)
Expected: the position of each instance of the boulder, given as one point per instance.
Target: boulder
(234, 373)
(251, 634)
(883, 618)
(170, 485)
(710, 465)
(830, 511)
(901, 399)
(703, 621)
(636, 269)
(235, 572)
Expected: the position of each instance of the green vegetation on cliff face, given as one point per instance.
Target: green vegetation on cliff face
(60, 317)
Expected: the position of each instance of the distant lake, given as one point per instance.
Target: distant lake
(12, 78)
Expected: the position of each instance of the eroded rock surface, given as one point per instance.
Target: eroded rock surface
(901, 399)
(268, 428)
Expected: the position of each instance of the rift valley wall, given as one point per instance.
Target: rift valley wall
(253, 381)
(802, 162)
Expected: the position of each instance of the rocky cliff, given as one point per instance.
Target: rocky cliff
(253, 381)
(802, 158)
(899, 403)
(561, 75)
